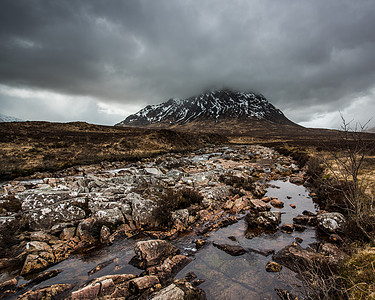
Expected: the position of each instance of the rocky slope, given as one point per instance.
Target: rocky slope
(217, 107)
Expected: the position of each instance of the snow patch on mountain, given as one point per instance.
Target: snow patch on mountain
(5, 118)
(214, 105)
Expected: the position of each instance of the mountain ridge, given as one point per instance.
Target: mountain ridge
(218, 106)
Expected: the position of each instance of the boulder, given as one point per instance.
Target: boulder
(153, 252)
(109, 216)
(268, 220)
(37, 262)
(330, 222)
(142, 210)
(169, 268)
(297, 258)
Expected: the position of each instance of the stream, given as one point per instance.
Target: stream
(226, 277)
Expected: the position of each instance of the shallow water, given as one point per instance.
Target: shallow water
(227, 277)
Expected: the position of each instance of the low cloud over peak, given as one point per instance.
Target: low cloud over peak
(309, 58)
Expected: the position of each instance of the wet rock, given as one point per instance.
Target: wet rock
(140, 284)
(234, 250)
(266, 199)
(292, 206)
(169, 268)
(101, 266)
(42, 277)
(199, 243)
(265, 252)
(109, 287)
(94, 290)
(57, 291)
(297, 180)
(277, 203)
(330, 222)
(308, 213)
(273, 267)
(336, 239)
(298, 259)
(171, 292)
(258, 205)
(268, 220)
(179, 290)
(287, 228)
(305, 220)
(37, 262)
(8, 287)
(190, 276)
(153, 252)
(299, 228)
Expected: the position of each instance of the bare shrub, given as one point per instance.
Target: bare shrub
(345, 178)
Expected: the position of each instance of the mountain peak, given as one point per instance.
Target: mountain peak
(217, 105)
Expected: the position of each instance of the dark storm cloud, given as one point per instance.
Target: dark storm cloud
(305, 56)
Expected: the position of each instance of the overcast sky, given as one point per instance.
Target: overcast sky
(99, 61)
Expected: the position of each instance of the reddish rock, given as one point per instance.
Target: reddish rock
(258, 205)
(140, 284)
(292, 206)
(277, 203)
(169, 268)
(153, 252)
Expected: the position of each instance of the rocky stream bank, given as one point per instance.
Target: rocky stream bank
(161, 227)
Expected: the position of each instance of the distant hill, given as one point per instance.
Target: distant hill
(5, 118)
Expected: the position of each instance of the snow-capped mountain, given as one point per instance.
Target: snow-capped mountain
(5, 118)
(218, 105)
